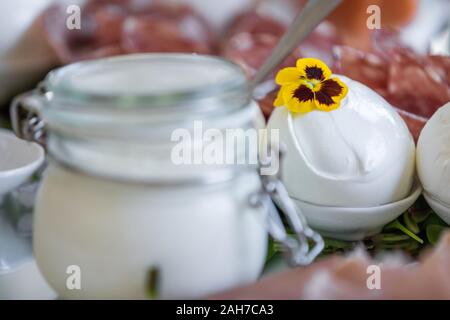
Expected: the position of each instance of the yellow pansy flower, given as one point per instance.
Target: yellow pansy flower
(308, 86)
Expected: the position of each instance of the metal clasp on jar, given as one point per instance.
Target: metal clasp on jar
(301, 244)
(25, 115)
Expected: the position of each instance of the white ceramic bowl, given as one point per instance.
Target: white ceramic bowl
(441, 209)
(18, 160)
(355, 223)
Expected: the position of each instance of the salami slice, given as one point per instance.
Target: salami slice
(112, 27)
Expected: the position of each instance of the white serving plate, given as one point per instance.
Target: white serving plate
(354, 224)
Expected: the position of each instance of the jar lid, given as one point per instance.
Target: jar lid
(162, 86)
(124, 110)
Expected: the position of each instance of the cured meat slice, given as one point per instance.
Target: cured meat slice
(266, 103)
(167, 29)
(320, 43)
(112, 27)
(98, 36)
(416, 84)
(254, 23)
(414, 122)
(364, 67)
(251, 37)
(442, 66)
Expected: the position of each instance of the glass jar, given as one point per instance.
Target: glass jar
(116, 216)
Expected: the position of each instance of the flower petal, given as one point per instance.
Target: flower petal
(313, 69)
(279, 101)
(331, 92)
(298, 98)
(334, 87)
(287, 76)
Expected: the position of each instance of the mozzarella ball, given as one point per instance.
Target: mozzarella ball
(433, 155)
(359, 155)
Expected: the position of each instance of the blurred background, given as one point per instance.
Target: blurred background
(405, 60)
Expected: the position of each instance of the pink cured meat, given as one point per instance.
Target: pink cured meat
(321, 42)
(442, 65)
(254, 23)
(167, 29)
(414, 122)
(266, 103)
(250, 51)
(112, 27)
(251, 38)
(364, 67)
(416, 84)
(99, 35)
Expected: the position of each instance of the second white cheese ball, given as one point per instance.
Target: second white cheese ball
(433, 155)
(359, 155)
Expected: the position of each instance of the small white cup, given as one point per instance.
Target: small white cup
(19, 276)
(19, 159)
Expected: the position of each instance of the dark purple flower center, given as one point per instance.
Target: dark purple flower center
(314, 73)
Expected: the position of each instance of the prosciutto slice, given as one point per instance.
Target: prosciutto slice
(416, 84)
(251, 37)
(113, 27)
(165, 28)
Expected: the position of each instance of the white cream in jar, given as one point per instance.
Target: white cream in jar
(114, 204)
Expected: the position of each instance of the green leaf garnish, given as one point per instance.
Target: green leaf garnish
(410, 223)
(434, 232)
(397, 225)
(419, 227)
(392, 237)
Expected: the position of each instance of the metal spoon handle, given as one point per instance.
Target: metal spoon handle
(311, 15)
